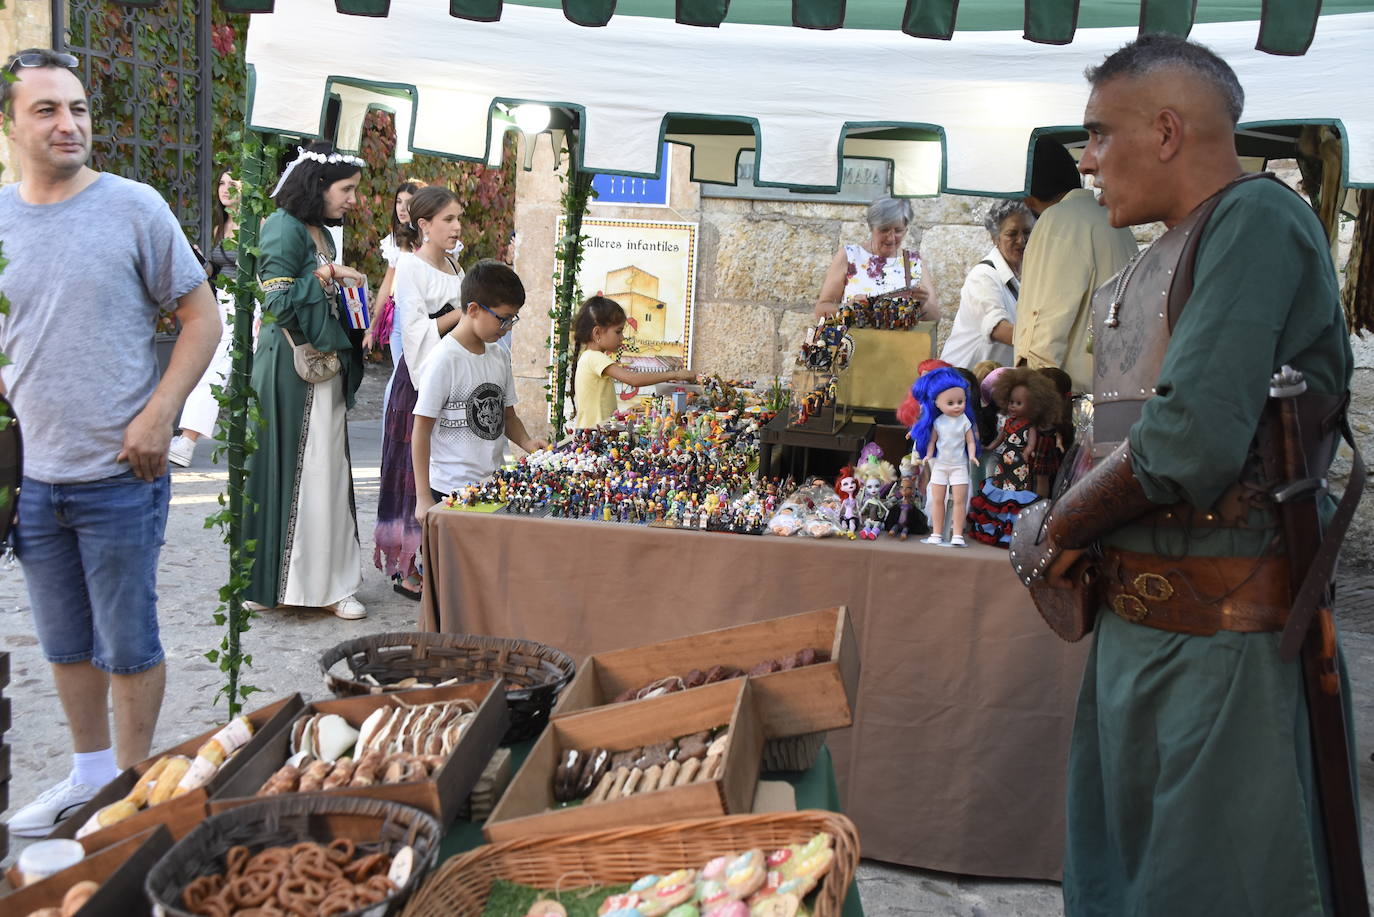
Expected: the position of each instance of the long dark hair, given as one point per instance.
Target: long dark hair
(302, 195)
(596, 312)
(219, 214)
(405, 237)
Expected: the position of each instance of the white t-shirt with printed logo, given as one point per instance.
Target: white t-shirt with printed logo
(467, 395)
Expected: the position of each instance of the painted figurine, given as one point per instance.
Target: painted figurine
(846, 486)
(875, 474)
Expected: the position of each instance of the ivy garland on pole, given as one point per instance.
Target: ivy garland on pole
(577, 194)
(238, 403)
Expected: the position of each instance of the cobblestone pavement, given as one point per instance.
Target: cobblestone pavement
(286, 644)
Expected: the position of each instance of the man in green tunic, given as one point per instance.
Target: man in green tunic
(1191, 786)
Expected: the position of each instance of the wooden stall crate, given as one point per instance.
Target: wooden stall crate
(796, 702)
(527, 807)
(120, 870)
(184, 812)
(440, 796)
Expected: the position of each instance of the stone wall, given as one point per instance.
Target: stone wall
(760, 266)
(23, 24)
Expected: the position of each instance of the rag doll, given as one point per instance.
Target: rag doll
(1029, 401)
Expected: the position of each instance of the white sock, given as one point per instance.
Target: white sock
(94, 768)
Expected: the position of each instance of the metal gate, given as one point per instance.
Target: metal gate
(147, 71)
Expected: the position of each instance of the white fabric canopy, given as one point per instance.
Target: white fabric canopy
(985, 92)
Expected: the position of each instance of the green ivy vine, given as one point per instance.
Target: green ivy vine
(577, 194)
(239, 404)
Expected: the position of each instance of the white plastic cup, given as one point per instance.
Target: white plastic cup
(45, 858)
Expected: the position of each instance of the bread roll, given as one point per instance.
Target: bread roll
(167, 781)
(77, 896)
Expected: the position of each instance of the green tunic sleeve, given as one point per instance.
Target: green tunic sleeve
(1265, 295)
(293, 295)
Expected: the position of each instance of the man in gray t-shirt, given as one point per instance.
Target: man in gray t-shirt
(93, 258)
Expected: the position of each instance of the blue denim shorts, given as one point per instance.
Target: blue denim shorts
(89, 553)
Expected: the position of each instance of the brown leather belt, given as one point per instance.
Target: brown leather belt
(1197, 595)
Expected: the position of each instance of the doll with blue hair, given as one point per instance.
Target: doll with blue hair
(943, 441)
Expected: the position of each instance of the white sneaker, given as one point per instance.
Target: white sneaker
(181, 451)
(350, 609)
(54, 805)
(933, 539)
(957, 541)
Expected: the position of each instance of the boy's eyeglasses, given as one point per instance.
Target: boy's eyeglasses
(506, 323)
(42, 59)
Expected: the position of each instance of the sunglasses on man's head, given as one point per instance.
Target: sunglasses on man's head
(42, 59)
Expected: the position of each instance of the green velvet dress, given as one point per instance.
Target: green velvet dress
(301, 512)
(1191, 778)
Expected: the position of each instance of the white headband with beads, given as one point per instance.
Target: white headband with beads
(328, 158)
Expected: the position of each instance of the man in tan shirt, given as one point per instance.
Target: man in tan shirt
(1073, 250)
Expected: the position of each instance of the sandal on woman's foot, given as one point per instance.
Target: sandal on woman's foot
(410, 587)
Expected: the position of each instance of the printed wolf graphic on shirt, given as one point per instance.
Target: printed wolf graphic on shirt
(483, 412)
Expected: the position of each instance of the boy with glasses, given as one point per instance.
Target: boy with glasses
(465, 402)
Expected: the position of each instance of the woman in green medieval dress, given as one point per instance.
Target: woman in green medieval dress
(300, 483)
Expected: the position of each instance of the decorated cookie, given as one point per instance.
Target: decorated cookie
(778, 859)
(745, 874)
(626, 905)
(715, 870)
(546, 907)
(784, 905)
(684, 910)
(712, 894)
(675, 888)
(730, 909)
(643, 885)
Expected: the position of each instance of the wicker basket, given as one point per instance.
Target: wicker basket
(794, 753)
(373, 824)
(463, 884)
(534, 673)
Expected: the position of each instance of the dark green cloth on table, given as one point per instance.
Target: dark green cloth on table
(297, 303)
(1190, 779)
(815, 789)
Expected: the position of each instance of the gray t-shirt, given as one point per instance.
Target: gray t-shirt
(86, 279)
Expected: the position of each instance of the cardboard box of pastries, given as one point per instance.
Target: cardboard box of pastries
(717, 777)
(434, 777)
(183, 812)
(116, 872)
(797, 699)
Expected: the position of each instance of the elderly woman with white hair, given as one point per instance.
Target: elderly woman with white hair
(884, 267)
(986, 318)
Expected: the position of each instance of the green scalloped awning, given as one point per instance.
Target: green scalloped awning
(1282, 26)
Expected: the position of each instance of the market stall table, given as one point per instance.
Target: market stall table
(815, 789)
(956, 760)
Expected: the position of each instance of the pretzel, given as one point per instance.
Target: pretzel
(340, 850)
(252, 891)
(298, 893)
(360, 869)
(304, 880)
(235, 860)
(269, 860)
(195, 893)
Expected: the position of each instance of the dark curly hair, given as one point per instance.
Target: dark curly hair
(302, 195)
(1046, 405)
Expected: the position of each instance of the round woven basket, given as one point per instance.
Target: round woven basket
(534, 673)
(463, 884)
(375, 825)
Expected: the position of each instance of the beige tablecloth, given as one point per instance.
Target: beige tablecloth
(956, 760)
